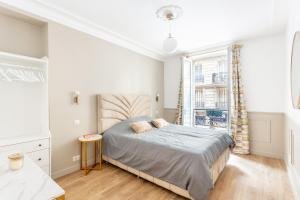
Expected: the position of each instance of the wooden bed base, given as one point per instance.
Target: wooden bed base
(215, 171)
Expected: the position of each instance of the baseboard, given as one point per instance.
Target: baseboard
(69, 170)
(267, 154)
(294, 180)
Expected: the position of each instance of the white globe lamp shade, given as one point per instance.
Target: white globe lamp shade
(170, 45)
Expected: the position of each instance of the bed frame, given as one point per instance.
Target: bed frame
(113, 109)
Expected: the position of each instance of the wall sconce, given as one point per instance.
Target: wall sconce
(76, 97)
(157, 97)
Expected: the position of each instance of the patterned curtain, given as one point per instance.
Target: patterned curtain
(178, 119)
(239, 118)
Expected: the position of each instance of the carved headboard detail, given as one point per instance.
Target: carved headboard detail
(113, 109)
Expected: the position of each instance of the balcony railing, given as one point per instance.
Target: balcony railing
(211, 118)
(218, 105)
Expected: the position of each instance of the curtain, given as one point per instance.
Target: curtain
(178, 119)
(239, 118)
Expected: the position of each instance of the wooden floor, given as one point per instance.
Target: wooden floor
(244, 178)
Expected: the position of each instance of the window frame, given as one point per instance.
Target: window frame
(207, 54)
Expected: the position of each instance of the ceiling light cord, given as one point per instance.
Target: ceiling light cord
(170, 28)
(169, 13)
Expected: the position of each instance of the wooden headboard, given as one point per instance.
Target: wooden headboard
(113, 109)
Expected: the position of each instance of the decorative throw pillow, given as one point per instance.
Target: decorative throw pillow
(160, 122)
(141, 126)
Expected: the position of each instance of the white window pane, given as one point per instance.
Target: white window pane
(187, 92)
(210, 93)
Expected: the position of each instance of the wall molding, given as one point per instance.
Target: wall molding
(266, 130)
(170, 114)
(48, 12)
(269, 132)
(294, 179)
(264, 124)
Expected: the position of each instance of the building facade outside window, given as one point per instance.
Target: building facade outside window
(211, 100)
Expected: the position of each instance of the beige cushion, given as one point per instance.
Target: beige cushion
(160, 122)
(141, 126)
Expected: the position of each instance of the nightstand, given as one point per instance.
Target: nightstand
(84, 140)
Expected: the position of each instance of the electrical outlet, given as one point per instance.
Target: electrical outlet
(76, 122)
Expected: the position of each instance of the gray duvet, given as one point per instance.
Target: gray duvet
(179, 155)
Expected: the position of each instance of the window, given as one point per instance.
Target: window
(206, 100)
(211, 90)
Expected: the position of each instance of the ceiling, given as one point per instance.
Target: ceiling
(204, 22)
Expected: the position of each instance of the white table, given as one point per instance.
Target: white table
(28, 183)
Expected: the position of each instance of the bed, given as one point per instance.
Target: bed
(184, 160)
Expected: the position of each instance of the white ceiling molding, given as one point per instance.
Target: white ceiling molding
(116, 21)
(47, 12)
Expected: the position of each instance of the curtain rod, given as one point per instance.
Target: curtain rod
(214, 49)
(208, 50)
(204, 54)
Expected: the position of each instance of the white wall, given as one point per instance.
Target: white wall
(263, 69)
(172, 73)
(292, 115)
(263, 73)
(78, 61)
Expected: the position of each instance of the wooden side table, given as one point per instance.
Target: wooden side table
(61, 197)
(97, 140)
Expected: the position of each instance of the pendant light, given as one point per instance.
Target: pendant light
(169, 13)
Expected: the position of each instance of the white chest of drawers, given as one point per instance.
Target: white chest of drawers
(37, 148)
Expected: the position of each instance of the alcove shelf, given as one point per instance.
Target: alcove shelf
(24, 116)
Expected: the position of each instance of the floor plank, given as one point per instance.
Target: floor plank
(244, 178)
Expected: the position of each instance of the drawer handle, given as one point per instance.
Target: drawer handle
(40, 145)
(39, 159)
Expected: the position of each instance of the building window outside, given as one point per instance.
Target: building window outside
(211, 92)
